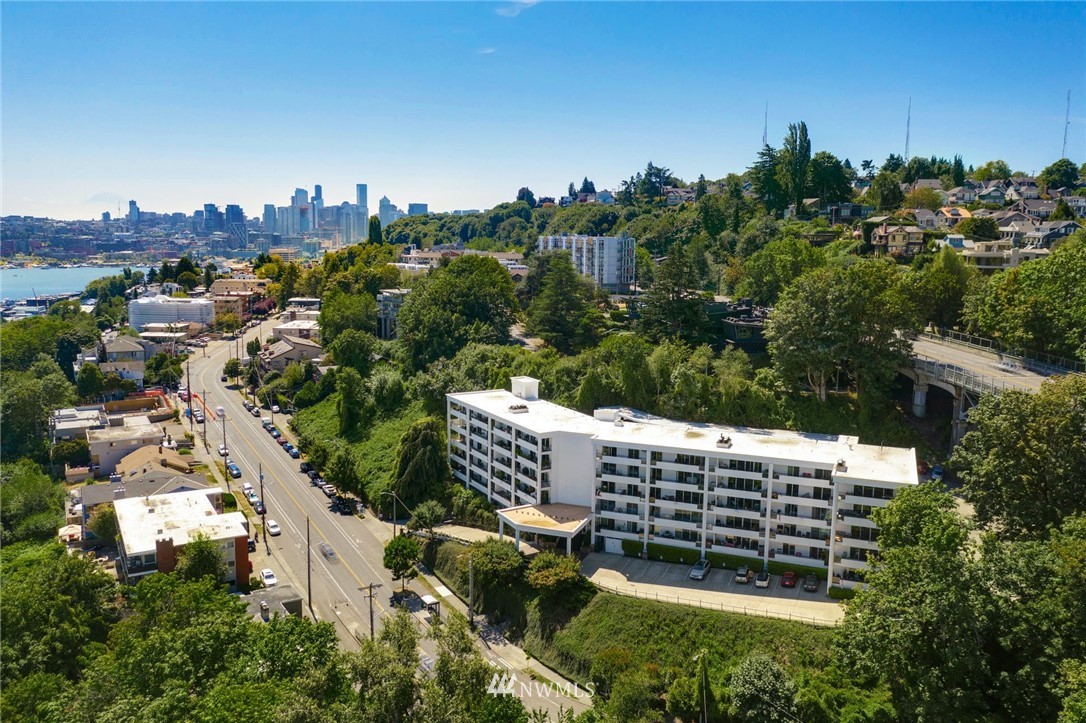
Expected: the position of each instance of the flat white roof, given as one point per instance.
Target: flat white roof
(179, 516)
(140, 429)
(299, 324)
(542, 416)
(862, 461)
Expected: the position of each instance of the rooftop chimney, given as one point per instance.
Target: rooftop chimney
(525, 388)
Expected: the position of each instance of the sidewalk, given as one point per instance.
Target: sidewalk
(489, 635)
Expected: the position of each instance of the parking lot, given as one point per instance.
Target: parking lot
(670, 582)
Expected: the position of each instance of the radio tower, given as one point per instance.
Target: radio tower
(908, 124)
(765, 126)
(1066, 124)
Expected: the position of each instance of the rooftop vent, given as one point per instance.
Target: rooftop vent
(518, 408)
(725, 441)
(841, 465)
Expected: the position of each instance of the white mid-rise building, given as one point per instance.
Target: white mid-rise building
(168, 310)
(803, 500)
(609, 260)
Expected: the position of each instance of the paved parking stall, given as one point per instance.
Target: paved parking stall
(670, 582)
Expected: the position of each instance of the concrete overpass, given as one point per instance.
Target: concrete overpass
(969, 367)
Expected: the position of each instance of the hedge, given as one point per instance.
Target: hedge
(841, 593)
(722, 560)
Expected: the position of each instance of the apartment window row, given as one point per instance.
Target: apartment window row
(879, 493)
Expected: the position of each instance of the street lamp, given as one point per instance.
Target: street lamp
(395, 499)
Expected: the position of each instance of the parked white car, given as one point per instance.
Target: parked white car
(268, 577)
(273, 528)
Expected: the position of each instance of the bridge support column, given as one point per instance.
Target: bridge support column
(959, 422)
(920, 400)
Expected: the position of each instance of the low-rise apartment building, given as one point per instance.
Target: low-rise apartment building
(168, 310)
(154, 529)
(607, 260)
(389, 302)
(109, 445)
(764, 495)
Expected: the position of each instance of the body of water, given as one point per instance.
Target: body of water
(22, 283)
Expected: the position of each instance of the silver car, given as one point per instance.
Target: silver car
(701, 570)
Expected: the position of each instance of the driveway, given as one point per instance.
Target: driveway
(669, 582)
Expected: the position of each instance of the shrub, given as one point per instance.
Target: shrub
(841, 593)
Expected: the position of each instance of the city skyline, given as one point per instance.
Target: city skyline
(458, 105)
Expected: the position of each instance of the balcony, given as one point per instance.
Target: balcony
(797, 559)
(846, 541)
(850, 563)
(722, 528)
(805, 499)
(724, 490)
(678, 466)
(735, 511)
(620, 461)
(800, 537)
(672, 521)
(851, 517)
(665, 538)
(620, 478)
(620, 513)
(670, 503)
(621, 534)
(671, 484)
(851, 499)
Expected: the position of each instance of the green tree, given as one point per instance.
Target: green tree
(795, 162)
(701, 188)
(31, 504)
(232, 367)
(1061, 174)
(587, 186)
(288, 284)
(228, 322)
(827, 179)
(843, 319)
(525, 194)
(767, 272)
(940, 288)
(765, 178)
(554, 575)
(199, 558)
(957, 172)
(341, 311)
(671, 308)
(89, 382)
(103, 523)
(1063, 212)
(421, 465)
(383, 671)
(401, 554)
(350, 406)
(885, 192)
(497, 563)
(992, 171)
(375, 231)
(562, 314)
(984, 227)
(470, 299)
(1024, 463)
(355, 349)
(427, 515)
(761, 692)
(73, 452)
(923, 197)
(341, 471)
(252, 348)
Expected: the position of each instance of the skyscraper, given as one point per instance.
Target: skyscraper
(317, 193)
(213, 218)
(235, 222)
(361, 199)
(387, 212)
(417, 209)
(133, 213)
(269, 218)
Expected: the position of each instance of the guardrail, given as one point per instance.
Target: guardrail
(942, 371)
(721, 607)
(1041, 362)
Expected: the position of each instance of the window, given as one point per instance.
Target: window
(793, 471)
(744, 465)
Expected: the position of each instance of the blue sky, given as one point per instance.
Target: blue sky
(459, 104)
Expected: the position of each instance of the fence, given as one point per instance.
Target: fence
(720, 607)
(977, 383)
(1039, 362)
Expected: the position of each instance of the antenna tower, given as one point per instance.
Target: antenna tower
(765, 126)
(908, 128)
(1066, 124)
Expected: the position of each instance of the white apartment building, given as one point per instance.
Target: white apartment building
(168, 310)
(609, 260)
(802, 500)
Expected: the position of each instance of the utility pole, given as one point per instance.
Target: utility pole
(1066, 124)
(308, 567)
(203, 401)
(370, 588)
(188, 390)
(264, 514)
(908, 125)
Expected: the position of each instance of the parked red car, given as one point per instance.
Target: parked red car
(788, 579)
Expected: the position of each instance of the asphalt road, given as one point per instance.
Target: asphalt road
(339, 586)
(982, 364)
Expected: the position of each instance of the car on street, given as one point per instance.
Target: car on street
(312, 473)
(294, 453)
(275, 433)
(327, 550)
(222, 378)
(317, 481)
(810, 583)
(248, 405)
(233, 469)
(252, 497)
(762, 579)
(255, 411)
(275, 409)
(273, 528)
(246, 489)
(937, 473)
(259, 508)
(742, 575)
(305, 467)
(282, 441)
(701, 570)
(252, 545)
(198, 416)
(788, 579)
(223, 451)
(268, 577)
(287, 446)
(266, 423)
(329, 490)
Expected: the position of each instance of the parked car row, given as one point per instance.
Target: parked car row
(744, 574)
